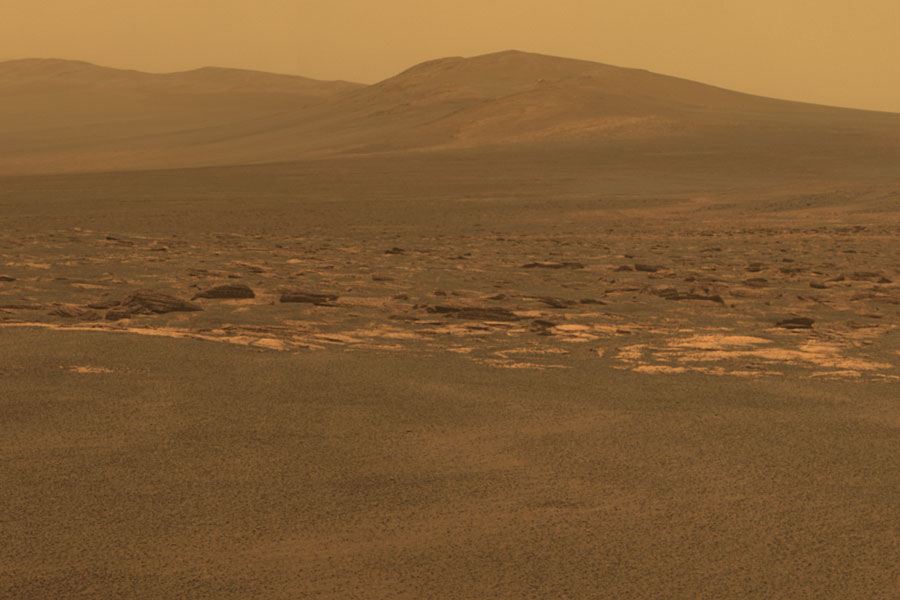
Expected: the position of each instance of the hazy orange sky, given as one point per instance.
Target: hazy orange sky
(827, 51)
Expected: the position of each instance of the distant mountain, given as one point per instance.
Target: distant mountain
(72, 116)
(49, 72)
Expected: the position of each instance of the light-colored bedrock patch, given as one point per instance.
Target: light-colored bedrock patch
(89, 370)
(632, 354)
(718, 342)
(572, 332)
(660, 369)
(714, 348)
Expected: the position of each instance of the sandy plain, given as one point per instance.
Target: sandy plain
(571, 366)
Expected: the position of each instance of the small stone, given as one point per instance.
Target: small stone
(556, 302)
(756, 282)
(644, 268)
(796, 323)
(308, 298)
(665, 291)
(864, 275)
(553, 265)
(7, 278)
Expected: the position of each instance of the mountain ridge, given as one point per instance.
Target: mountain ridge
(59, 115)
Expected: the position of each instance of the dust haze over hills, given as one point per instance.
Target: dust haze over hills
(65, 116)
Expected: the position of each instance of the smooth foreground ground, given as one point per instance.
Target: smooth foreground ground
(152, 467)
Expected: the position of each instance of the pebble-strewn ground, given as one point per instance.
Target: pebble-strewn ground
(720, 298)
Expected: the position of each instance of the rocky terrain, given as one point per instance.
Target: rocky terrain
(716, 297)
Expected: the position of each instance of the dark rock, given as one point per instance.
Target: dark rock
(622, 269)
(665, 291)
(23, 306)
(555, 302)
(227, 291)
(875, 296)
(541, 327)
(796, 323)
(118, 315)
(7, 278)
(73, 312)
(395, 250)
(198, 273)
(148, 301)
(591, 301)
(308, 298)
(401, 297)
(258, 269)
(755, 267)
(818, 285)
(865, 276)
(110, 238)
(498, 297)
(710, 297)
(756, 282)
(643, 268)
(553, 265)
(475, 313)
(542, 323)
(103, 304)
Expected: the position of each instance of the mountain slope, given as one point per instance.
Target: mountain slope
(67, 116)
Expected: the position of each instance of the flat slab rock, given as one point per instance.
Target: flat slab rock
(553, 265)
(308, 298)
(72, 312)
(228, 291)
(796, 323)
(148, 301)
